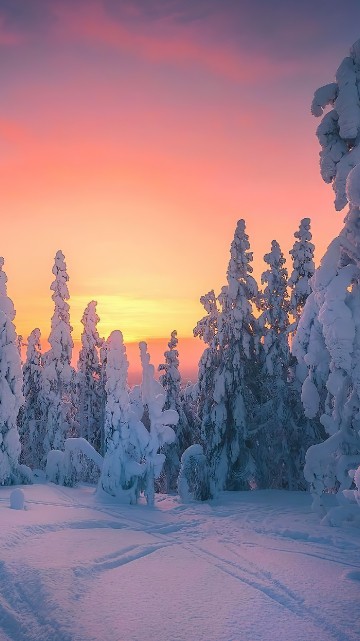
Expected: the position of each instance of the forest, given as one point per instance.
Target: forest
(277, 400)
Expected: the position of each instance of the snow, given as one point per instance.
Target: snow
(79, 567)
(17, 499)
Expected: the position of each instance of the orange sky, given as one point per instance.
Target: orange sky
(133, 140)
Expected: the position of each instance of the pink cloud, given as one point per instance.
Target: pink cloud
(172, 44)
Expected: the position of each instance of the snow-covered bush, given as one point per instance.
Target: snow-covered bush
(193, 481)
(78, 462)
(17, 499)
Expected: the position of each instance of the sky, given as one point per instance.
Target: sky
(135, 133)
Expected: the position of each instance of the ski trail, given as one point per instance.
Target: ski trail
(272, 588)
(118, 559)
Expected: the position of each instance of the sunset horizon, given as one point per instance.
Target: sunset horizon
(137, 137)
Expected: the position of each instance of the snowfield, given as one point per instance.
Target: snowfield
(252, 566)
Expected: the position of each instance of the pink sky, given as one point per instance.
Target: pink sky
(133, 136)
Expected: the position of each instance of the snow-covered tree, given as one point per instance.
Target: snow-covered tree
(328, 337)
(57, 386)
(160, 420)
(338, 132)
(302, 255)
(126, 438)
(274, 465)
(89, 383)
(171, 382)
(31, 427)
(11, 397)
(226, 377)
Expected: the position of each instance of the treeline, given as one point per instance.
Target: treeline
(243, 418)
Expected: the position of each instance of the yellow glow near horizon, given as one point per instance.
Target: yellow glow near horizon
(131, 315)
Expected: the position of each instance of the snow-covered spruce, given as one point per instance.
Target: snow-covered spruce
(58, 376)
(273, 432)
(226, 372)
(31, 427)
(160, 420)
(90, 390)
(302, 254)
(328, 344)
(338, 132)
(11, 397)
(126, 438)
(171, 382)
(78, 462)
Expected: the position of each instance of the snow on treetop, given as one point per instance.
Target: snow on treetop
(6, 304)
(339, 129)
(116, 340)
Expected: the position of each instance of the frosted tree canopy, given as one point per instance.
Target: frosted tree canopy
(339, 130)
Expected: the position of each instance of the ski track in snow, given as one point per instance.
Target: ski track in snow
(224, 538)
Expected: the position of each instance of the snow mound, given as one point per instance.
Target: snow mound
(17, 499)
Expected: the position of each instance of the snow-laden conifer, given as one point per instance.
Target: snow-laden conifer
(274, 465)
(159, 420)
(57, 374)
(226, 377)
(338, 132)
(31, 426)
(11, 397)
(89, 383)
(328, 337)
(302, 254)
(126, 438)
(171, 382)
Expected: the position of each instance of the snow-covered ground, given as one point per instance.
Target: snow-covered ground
(253, 566)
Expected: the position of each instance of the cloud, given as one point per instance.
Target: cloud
(164, 41)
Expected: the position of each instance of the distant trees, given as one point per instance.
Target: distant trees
(241, 425)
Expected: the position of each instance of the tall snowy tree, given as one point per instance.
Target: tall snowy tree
(160, 420)
(229, 389)
(328, 337)
(11, 397)
(89, 383)
(126, 438)
(274, 465)
(171, 382)
(284, 433)
(302, 255)
(30, 425)
(57, 387)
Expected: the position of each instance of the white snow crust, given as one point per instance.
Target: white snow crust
(76, 566)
